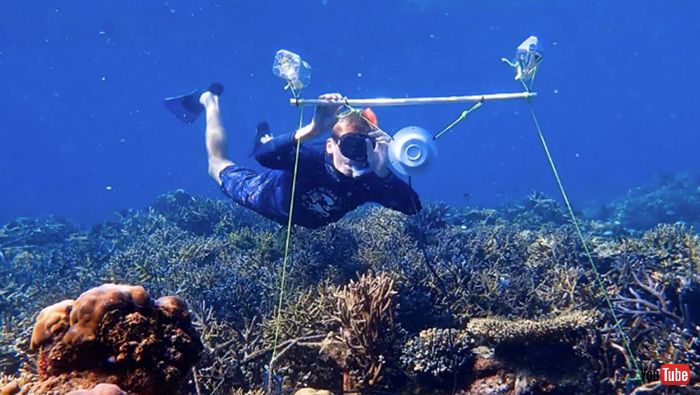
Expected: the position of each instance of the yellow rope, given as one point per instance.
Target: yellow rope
(599, 280)
(278, 315)
(459, 119)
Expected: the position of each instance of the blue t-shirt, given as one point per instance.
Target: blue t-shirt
(322, 194)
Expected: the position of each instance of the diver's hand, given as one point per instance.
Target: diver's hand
(378, 156)
(324, 118)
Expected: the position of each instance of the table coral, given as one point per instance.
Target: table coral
(501, 330)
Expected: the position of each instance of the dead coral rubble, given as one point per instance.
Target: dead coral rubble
(113, 334)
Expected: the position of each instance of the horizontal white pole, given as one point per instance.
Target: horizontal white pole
(413, 101)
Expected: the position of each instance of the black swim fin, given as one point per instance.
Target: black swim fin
(262, 135)
(187, 107)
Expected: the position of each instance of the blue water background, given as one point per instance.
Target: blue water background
(84, 131)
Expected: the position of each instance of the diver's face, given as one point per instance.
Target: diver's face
(344, 165)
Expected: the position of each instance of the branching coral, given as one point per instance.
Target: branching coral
(32, 232)
(654, 291)
(658, 325)
(322, 254)
(235, 355)
(205, 216)
(496, 270)
(362, 345)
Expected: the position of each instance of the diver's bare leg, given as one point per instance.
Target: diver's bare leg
(215, 136)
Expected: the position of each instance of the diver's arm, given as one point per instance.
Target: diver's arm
(308, 132)
(324, 118)
(396, 194)
(278, 153)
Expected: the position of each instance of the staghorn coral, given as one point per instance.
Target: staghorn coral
(168, 259)
(383, 243)
(205, 216)
(494, 270)
(654, 282)
(113, 334)
(659, 326)
(24, 232)
(466, 217)
(304, 322)
(14, 343)
(328, 253)
(362, 345)
(225, 362)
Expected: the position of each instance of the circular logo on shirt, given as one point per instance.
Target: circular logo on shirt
(320, 201)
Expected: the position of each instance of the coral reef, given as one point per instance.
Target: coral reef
(673, 198)
(113, 334)
(453, 299)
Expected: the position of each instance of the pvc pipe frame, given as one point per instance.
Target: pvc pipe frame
(413, 101)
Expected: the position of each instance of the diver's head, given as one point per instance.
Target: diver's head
(347, 145)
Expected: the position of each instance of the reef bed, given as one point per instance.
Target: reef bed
(457, 300)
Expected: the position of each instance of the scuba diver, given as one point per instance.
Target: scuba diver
(350, 171)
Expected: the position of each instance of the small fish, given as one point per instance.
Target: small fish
(503, 282)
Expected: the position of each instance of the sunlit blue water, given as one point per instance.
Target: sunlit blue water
(84, 131)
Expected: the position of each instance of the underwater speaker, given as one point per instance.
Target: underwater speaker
(411, 150)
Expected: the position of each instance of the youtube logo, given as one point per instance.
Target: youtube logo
(674, 374)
